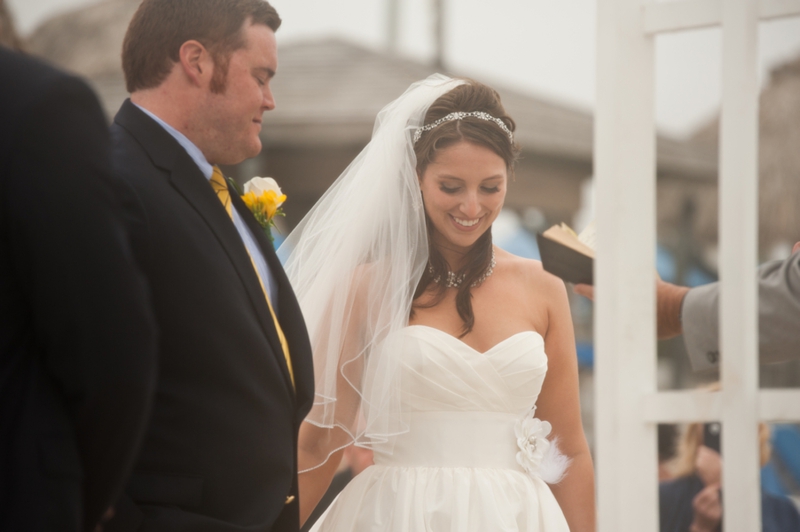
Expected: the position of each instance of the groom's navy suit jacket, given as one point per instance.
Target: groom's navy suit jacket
(220, 453)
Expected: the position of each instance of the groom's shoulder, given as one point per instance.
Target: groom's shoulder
(130, 155)
(140, 146)
(124, 142)
(126, 131)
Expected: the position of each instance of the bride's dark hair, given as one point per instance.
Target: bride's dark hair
(468, 97)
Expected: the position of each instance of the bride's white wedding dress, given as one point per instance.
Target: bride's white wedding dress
(462, 464)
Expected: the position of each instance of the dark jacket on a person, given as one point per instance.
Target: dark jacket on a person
(221, 450)
(778, 514)
(77, 335)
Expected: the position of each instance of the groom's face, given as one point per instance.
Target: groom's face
(233, 116)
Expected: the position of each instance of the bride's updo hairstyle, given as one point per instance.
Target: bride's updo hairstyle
(468, 97)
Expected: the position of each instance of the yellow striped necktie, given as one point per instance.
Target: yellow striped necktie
(221, 188)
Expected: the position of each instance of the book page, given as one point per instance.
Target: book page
(567, 237)
(589, 235)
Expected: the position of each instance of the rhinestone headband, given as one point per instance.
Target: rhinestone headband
(460, 115)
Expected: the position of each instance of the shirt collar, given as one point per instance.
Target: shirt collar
(194, 152)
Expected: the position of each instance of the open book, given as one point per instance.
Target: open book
(568, 255)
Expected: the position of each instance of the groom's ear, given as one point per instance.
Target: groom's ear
(196, 63)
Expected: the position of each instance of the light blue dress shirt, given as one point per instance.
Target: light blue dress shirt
(244, 232)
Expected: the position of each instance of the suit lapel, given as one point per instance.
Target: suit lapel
(288, 309)
(189, 181)
(277, 273)
(194, 187)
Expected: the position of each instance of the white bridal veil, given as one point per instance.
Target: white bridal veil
(354, 262)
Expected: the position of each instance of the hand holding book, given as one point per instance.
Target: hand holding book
(571, 257)
(568, 255)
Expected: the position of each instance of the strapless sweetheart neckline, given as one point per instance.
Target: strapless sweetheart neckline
(463, 343)
(465, 456)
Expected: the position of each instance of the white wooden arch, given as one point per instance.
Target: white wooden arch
(628, 405)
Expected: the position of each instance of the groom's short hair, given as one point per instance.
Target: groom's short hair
(160, 27)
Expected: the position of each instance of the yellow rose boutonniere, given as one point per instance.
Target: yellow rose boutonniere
(264, 198)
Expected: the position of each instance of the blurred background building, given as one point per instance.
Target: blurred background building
(330, 88)
(8, 31)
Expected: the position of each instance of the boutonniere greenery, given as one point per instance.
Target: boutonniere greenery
(264, 198)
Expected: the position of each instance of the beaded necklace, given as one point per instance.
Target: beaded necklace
(454, 281)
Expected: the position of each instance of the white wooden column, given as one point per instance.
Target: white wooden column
(628, 407)
(625, 371)
(738, 223)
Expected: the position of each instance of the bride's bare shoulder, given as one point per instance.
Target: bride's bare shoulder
(529, 273)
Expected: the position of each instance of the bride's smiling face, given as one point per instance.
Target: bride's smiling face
(463, 190)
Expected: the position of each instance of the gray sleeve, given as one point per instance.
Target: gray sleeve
(700, 322)
(779, 310)
(779, 316)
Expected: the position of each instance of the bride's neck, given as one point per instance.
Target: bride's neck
(454, 256)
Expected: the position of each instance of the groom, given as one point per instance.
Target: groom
(235, 376)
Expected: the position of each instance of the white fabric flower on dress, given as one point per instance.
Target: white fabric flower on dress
(532, 441)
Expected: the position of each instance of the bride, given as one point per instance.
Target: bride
(452, 359)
